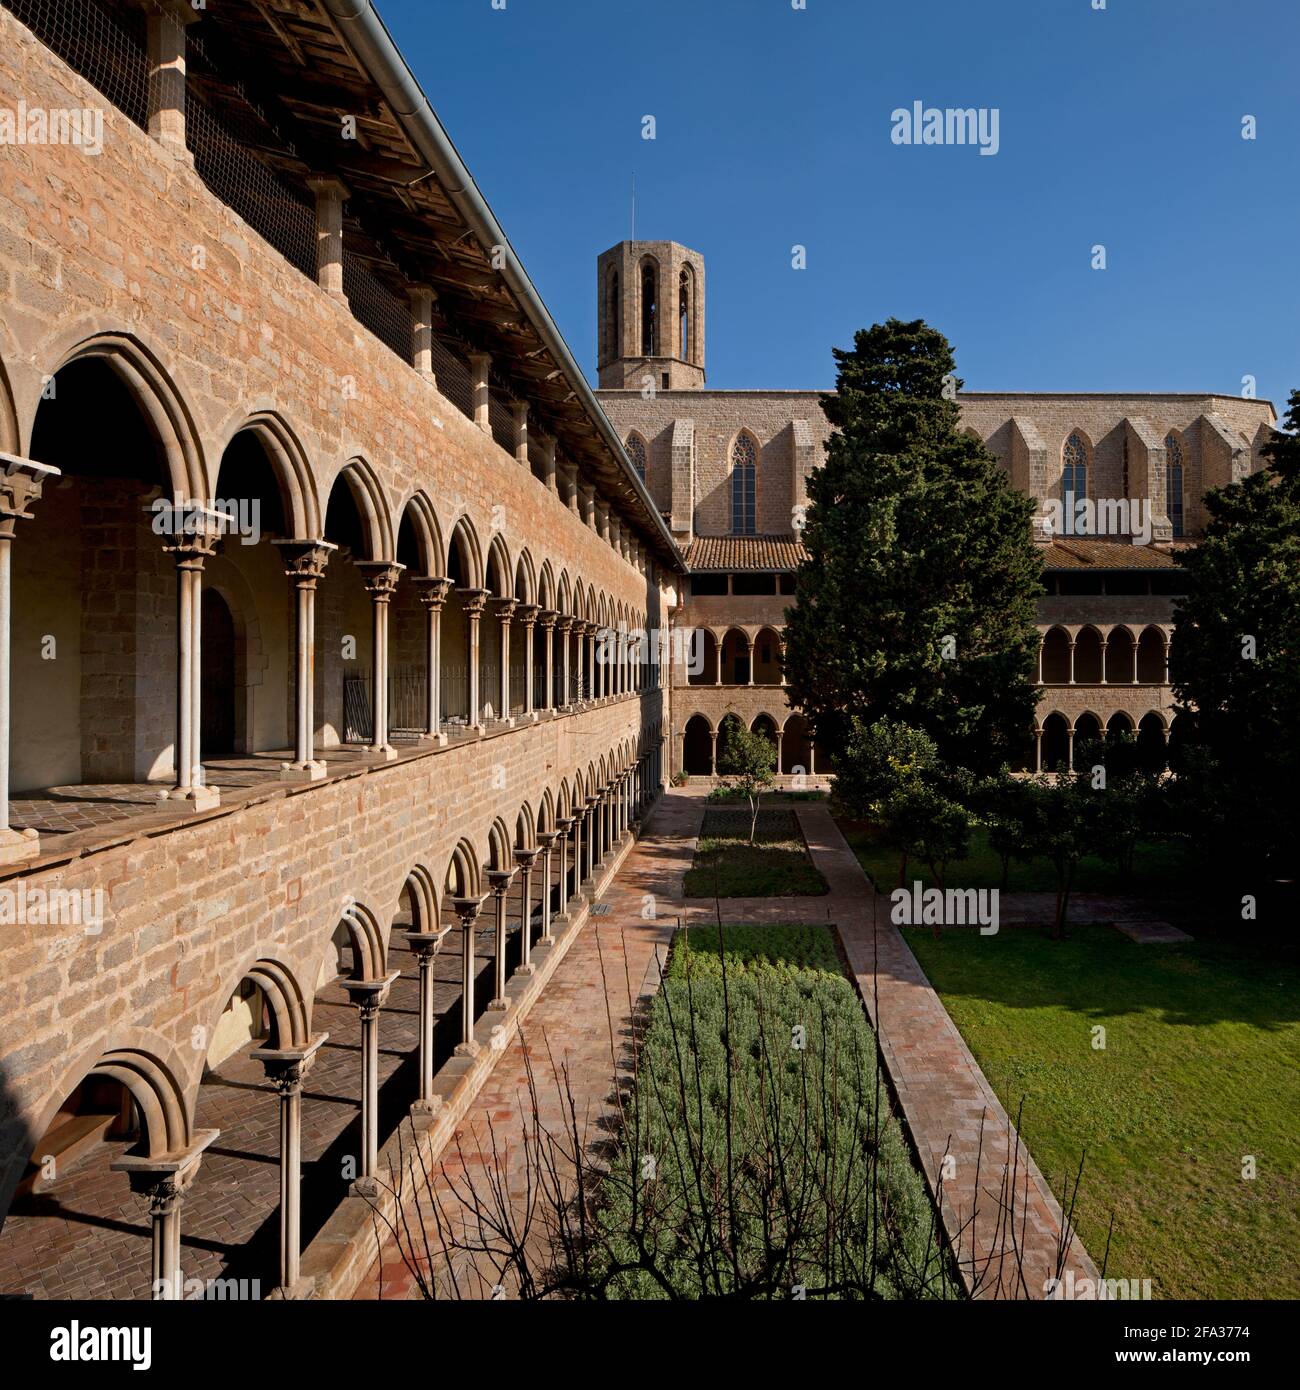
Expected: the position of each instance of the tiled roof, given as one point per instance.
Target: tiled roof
(1082, 552)
(744, 553)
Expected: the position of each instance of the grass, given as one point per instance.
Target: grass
(1157, 866)
(721, 796)
(816, 1104)
(776, 865)
(1201, 1067)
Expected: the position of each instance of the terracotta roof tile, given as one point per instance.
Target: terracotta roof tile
(1083, 552)
(782, 552)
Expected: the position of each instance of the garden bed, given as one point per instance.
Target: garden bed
(776, 865)
(760, 1155)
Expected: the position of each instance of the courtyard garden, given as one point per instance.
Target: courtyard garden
(1186, 1116)
(775, 864)
(760, 1157)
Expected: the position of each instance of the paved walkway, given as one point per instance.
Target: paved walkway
(994, 1198)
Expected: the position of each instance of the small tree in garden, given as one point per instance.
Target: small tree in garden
(1063, 820)
(922, 821)
(748, 764)
(1006, 806)
(891, 773)
(1126, 797)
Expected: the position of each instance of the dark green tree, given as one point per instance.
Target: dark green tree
(1235, 665)
(916, 600)
(747, 762)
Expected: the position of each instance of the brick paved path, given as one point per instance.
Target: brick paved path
(586, 1014)
(582, 1021)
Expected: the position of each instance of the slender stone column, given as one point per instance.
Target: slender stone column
(380, 578)
(425, 947)
(527, 615)
(467, 910)
(304, 565)
(475, 601)
(1038, 750)
(165, 61)
(520, 411)
(422, 299)
(580, 651)
(505, 609)
(565, 828)
(1071, 660)
(499, 880)
(546, 444)
(593, 833)
(546, 839)
(548, 619)
(594, 676)
(286, 1070)
(1167, 643)
(564, 626)
(750, 642)
(433, 593)
(1069, 757)
(21, 481)
(579, 851)
(331, 194)
(191, 546)
(480, 366)
(713, 752)
(526, 858)
(164, 1182)
(369, 997)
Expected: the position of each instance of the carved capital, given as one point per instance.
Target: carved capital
(527, 613)
(380, 578)
(504, 608)
(467, 909)
(526, 858)
(500, 880)
(21, 481)
(548, 617)
(305, 561)
(432, 591)
(474, 600)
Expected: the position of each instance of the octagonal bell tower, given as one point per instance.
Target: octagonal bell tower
(651, 304)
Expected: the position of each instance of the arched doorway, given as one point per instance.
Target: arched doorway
(697, 747)
(219, 663)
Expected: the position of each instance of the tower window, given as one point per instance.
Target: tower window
(1174, 483)
(684, 314)
(613, 308)
(744, 467)
(649, 310)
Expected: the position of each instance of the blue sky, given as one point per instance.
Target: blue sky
(1119, 127)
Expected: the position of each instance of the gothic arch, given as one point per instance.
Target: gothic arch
(372, 511)
(289, 466)
(417, 511)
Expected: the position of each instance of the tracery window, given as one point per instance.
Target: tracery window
(1174, 482)
(744, 470)
(636, 452)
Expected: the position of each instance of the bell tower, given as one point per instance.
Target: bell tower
(651, 304)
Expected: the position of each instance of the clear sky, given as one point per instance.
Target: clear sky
(1120, 127)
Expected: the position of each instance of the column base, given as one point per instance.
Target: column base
(197, 798)
(498, 1006)
(18, 846)
(300, 1292)
(437, 740)
(303, 772)
(529, 969)
(467, 1049)
(426, 1109)
(364, 1187)
(388, 753)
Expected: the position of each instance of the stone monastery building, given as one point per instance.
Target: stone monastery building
(321, 730)
(728, 471)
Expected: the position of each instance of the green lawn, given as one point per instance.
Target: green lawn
(1156, 867)
(776, 865)
(1201, 1067)
(788, 1185)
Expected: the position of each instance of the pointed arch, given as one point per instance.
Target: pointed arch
(289, 465)
(372, 511)
(465, 555)
(419, 537)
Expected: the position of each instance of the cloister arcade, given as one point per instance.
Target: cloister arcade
(374, 1014)
(737, 656)
(703, 740)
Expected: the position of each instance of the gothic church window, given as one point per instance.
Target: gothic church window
(636, 452)
(744, 468)
(1074, 476)
(1174, 483)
